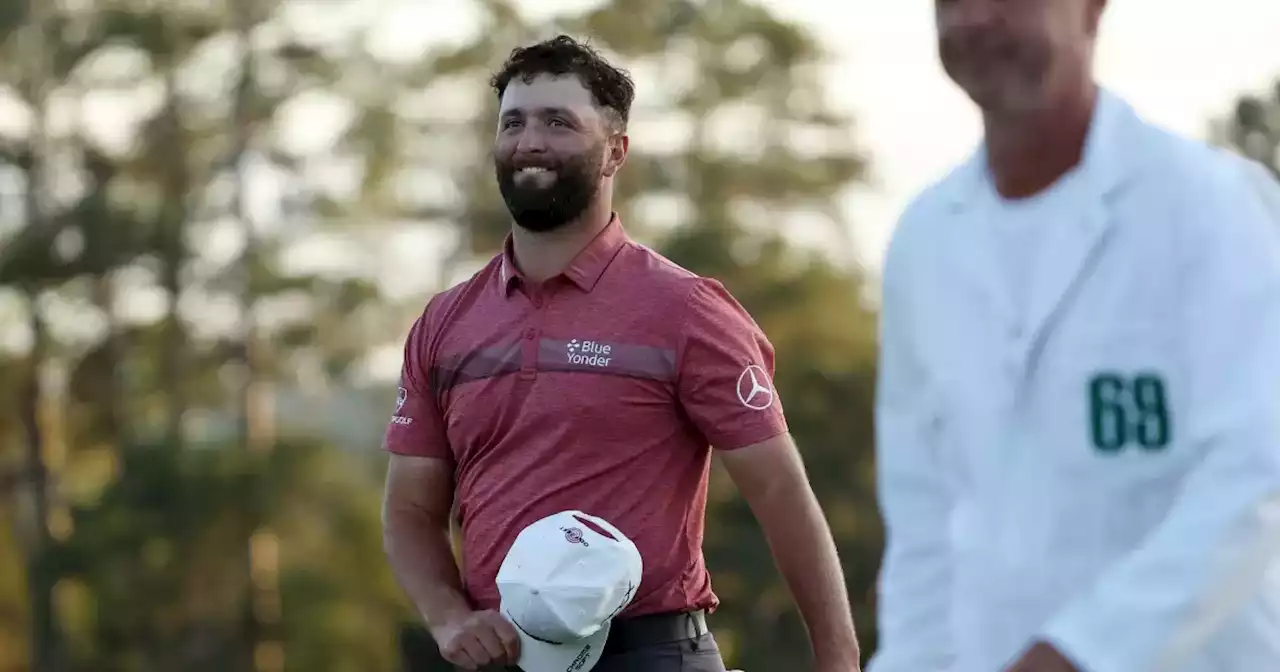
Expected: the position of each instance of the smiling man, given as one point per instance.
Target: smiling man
(582, 371)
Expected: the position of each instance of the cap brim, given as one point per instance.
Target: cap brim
(579, 656)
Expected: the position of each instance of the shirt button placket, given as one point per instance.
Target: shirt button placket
(532, 339)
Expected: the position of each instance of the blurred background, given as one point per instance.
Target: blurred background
(218, 219)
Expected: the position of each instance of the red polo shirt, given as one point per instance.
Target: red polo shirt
(602, 390)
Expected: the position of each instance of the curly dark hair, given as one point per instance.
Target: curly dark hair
(611, 87)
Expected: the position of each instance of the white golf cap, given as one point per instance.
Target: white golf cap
(564, 579)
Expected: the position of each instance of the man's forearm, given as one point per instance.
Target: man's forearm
(805, 553)
(421, 557)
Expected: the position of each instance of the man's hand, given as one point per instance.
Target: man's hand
(478, 639)
(1042, 657)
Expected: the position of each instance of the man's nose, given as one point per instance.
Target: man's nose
(531, 140)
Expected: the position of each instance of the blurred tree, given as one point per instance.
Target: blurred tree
(167, 537)
(143, 149)
(735, 150)
(144, 262)
(1253, 128)
(1257, 124)
(453, 123)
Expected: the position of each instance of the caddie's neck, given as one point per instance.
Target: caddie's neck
(1028, 152)
(543, 255)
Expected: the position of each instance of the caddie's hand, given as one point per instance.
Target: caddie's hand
(478, 639)
(1042, 657)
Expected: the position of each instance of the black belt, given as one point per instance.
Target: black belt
(626, 634)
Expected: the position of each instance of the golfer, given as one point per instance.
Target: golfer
(582, 371)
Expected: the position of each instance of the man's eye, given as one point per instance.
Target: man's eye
(556, 122)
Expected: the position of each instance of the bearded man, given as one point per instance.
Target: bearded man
(581, 371)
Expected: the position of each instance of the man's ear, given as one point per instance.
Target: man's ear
(618, 146)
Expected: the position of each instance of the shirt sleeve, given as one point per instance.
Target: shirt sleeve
(417, 426)
(913, 609)
(725, 379)
(1157, 606)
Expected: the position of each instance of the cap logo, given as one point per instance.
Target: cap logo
(579, 661)
(573, 535)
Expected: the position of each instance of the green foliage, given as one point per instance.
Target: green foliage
(149, 564)
(150, 560)
(156, 559)
(148, 567)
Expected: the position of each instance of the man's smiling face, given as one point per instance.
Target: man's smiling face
(551, 147)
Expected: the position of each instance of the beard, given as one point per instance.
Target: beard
(541, 208)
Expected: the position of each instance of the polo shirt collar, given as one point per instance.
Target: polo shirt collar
(587, 266)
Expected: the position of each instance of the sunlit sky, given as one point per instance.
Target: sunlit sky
(1179, 62)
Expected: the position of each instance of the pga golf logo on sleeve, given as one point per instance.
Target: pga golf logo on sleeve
(755, 390)
(402, 395)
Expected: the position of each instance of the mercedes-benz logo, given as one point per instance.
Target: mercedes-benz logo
(754, 389)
